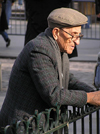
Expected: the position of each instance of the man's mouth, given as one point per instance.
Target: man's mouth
(73, 47)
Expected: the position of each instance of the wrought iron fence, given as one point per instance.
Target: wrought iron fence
(91, 30)
(58, 120)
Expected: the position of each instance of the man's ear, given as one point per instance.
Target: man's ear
(55, 33)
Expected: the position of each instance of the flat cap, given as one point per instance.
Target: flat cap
(66, 17)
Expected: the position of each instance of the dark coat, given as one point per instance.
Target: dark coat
(97, 8)
(37, 12)
(34, 83)
(3, 19)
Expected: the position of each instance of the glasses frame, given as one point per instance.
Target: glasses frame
(79, 36)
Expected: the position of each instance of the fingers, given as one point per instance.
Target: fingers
(93, 98)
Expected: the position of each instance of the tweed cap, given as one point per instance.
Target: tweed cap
(66, 17)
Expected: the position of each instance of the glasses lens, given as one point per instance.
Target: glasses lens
(74, 38)
(81, 36)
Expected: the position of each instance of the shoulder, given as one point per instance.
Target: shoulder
(40, 46)
(40, 43)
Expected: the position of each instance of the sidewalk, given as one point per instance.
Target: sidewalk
(87, 49)
(17, 44)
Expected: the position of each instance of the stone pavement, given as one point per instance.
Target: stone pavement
(6, 69)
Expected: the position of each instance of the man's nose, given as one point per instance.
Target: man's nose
(77, 41)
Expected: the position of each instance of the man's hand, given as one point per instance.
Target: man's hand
(93, 98)
(98, 15)
(12, 4)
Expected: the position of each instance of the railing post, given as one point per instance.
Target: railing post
(97, 119)
(0, 78)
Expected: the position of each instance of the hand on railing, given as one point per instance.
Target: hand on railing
(94, 98)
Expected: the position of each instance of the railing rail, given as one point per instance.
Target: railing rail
(56, 120)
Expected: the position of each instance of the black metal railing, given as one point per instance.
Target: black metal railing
(55, 120)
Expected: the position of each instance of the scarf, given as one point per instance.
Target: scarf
(62, 60)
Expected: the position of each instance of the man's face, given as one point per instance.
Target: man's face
(67, 41)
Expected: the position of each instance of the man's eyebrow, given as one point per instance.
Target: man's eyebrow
(75, 33)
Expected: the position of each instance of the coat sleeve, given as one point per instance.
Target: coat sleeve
(42, 68)
(75, 84)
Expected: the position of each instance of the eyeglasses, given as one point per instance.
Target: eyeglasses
(74, 38)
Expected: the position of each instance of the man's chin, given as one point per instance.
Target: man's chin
(70, 52)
